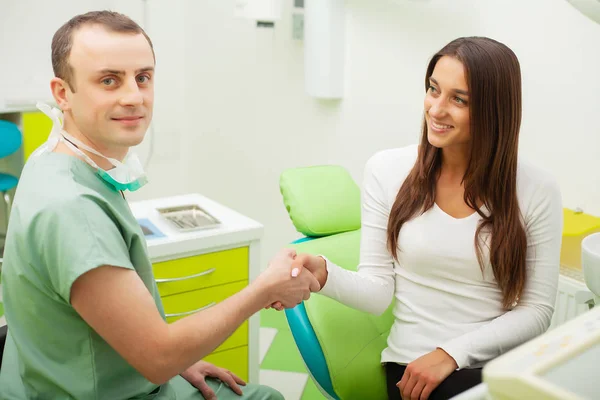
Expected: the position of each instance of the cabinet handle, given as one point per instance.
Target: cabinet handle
(191, 312)
(183, 278)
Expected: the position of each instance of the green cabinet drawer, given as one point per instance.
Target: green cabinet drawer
(202, 271)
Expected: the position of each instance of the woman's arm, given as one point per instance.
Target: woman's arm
(371, 287)
(533, 313)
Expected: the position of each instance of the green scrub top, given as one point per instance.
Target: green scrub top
(65, 221)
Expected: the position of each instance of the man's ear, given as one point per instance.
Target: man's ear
(60, 90)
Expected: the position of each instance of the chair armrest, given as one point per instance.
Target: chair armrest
(340, 346)
(310, 348)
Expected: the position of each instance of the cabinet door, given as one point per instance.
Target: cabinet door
(183, 304)
(235, 360)
(202, 271)
(36, 128)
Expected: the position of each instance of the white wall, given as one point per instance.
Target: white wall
(231, 111)
(162, 147)
(248, 117)
(26, 31)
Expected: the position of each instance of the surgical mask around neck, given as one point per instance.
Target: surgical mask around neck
(126, 175)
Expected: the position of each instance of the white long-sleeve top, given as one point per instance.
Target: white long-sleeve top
(442, 298)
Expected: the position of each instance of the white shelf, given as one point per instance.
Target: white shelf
(21, 107)
(235, 228)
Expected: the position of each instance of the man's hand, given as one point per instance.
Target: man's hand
(315, 264)
(197, 374)
(286, 283)
(424, 374)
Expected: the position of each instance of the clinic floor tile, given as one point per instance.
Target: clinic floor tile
(312, 392)
(283, 355)
(274, 319)
(266, 337)
(290, 384)
(280, 357)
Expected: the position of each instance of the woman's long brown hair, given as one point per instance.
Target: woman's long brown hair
(494, 82)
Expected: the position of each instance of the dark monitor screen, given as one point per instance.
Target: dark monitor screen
(577, 374)
(149, 230)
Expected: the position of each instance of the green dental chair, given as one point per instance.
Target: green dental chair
(341, 347)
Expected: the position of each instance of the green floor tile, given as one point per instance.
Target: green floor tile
(283, 355)
(274, 319)
(311, 391)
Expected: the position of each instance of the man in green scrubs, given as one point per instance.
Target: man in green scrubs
(84, 315)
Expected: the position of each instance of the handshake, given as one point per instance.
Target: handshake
(291, 278)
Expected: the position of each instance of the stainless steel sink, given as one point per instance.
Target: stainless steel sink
(189, 217)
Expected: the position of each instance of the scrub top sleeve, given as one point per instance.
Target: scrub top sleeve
(77, 236)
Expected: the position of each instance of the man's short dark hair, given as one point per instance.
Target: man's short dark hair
(62, 42)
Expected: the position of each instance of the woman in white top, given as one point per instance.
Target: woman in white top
(464, 235)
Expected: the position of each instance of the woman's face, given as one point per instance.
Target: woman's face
(447, 105)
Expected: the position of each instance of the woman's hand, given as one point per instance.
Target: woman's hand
(315, 264)
(424, 374)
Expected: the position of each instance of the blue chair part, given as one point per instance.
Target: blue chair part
(7, 182)
(304, 239)
(308, 344)
(10, 138)
(310, 348)
(10, 141)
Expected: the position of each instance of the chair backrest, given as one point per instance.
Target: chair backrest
(340, 346)
(10, 138)
(348, 341)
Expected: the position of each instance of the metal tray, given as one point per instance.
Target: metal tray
(189, 217)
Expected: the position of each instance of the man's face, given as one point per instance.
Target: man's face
(113, 75)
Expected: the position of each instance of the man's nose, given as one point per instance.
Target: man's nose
(132, 95)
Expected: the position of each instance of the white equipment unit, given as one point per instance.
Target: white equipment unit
(558, 365)
(573, 297)
(590, 263)
(259, 10)
(589, 8)
(324, 48)
(202, 253)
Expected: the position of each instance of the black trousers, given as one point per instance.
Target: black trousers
(457, 382)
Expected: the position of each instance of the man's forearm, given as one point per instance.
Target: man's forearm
(192, 338)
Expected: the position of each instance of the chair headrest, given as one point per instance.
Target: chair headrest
(321, 200)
